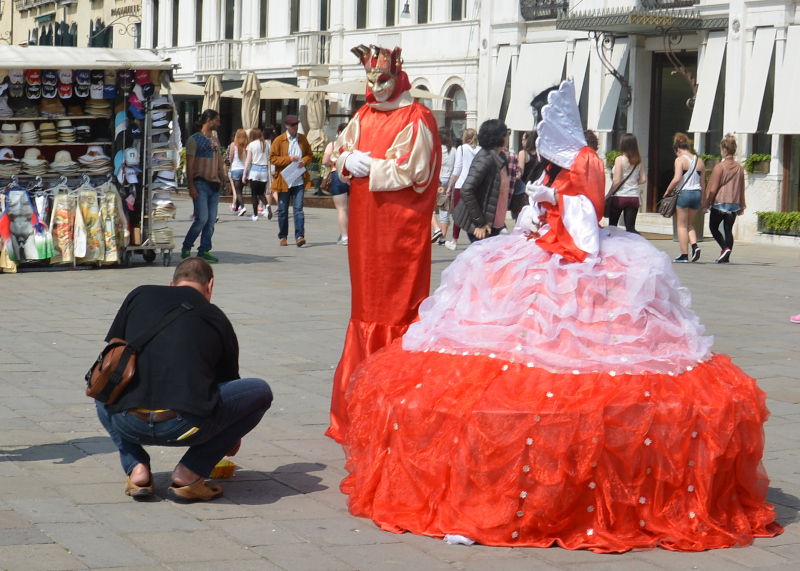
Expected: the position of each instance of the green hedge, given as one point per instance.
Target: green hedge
(779, 221)
(751, 161)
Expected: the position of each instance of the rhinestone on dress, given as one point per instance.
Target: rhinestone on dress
(691, 462)
(592, 485)
(647, 393)
(691, 515)
(589, 532)
(647, 442)
(529, 441)
(419, 385)
(492, 355)
(515, 534)
(396, 426)
(612, 373)
(523, 495)
(576, 372)
(505, 367)
(530, 312)
(441, 350)
(694, 434)
(690, 488)
(520, 514)
(590, 509)
(530, 365)
(526, 469)
(465, 353)
(641, 523)
(549, 395)
(642, 500)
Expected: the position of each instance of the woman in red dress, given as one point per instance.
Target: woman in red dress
(558, 388)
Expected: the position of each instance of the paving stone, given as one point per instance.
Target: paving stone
(338, 531)
(50, 511)
(384, 557)
(95, 545)
(253, 532)
(133, 517)
(23, 536)
(255, 565)
(306, 557)
(99, 493)
(44, 557)
(185, 546)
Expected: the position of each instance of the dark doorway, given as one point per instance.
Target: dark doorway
(668, 115)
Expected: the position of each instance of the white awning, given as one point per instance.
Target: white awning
(50, 57)
(707, 81)
(611, 87)
(755, 80)
(785, 118)
(540, 67)
(499, 77)
(580, 63)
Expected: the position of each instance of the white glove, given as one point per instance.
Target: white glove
(358, 163)
(540, 193)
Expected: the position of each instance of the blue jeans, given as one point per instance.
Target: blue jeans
(241, 405)
(205, 216)
(295, 195)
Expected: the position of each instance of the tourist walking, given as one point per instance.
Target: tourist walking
(444, 198)
(205, 172)
(465, 153)
(484, 196)
(288, 148)
(724, 197)
(528, 160)
(628, 175)
(339, 190)
(257, 173)
(689, 179)
(237, 154)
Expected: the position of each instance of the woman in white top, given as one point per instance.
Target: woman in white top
(628, 172)
(257, 172)
(444, 200)
(463, 161)
(340, 190)
(237, 153)
(690, 177)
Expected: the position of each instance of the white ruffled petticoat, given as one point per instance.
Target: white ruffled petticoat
(623, 310)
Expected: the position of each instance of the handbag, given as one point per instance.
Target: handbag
(613, 191)
(668, 204)
(116, 364)
(326, 182)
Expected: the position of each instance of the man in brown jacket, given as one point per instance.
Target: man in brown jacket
(288, 148)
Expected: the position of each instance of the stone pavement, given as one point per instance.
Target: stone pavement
(62, 505)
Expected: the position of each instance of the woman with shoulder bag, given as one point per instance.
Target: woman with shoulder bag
(628, 175)
(340, 190)
(725, 197)
(257, 173)
(444, 199)
(689, 180)
(484, 196)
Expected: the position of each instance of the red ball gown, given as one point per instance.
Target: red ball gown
(560, 390)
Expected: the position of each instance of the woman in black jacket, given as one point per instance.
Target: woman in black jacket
(481, 211)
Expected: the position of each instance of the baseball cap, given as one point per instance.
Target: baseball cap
(131, 156)
(291, 119)
(125, 77)
(49, 76)
(98, 77)
(65, 75)
(110, 90)
(65, 90)
(16, 89)
(135, 102)
(16, 75)
(96, 91)
(49, 91)
(33, 91)
(83, 77)
(119, 159)
(81, 90)
(136, 112)
(149, 90)
(110, 77)
(120, 123)
(142, 76)
(33, 76)
(134, 131)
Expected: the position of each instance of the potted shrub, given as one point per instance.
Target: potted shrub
(315, 171)
(785, 223)
(611, 156)
(757, 163)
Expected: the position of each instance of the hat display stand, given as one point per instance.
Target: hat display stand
(58, 153)
(158, 179)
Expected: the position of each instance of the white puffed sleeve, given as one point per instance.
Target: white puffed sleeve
(580, 220)
(410, 161)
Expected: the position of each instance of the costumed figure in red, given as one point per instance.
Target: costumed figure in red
(558, 388)
(391, 151)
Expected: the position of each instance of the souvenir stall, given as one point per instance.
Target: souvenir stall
(88, 157)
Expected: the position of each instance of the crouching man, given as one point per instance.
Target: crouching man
(186, 390)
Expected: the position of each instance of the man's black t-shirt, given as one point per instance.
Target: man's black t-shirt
(180, 367)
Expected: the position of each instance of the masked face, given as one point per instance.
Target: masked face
(381, 84)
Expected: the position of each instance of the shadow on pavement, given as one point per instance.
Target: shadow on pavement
(64, 452)
(787, 506)
(239, 258)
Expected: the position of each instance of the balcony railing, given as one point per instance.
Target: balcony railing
(313, 48)
(542, 9)
(221, 55)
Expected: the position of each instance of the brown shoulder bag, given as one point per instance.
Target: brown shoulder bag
(116, 364)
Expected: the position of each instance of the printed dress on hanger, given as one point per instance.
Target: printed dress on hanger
(558, 389)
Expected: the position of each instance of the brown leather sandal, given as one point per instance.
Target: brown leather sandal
(198, 491)
(135, 491)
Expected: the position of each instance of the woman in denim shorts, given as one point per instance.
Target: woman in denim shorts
(340, 190)
(690, 177)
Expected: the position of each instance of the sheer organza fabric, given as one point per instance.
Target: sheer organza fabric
(623, 311)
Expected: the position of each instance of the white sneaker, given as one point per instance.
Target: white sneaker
(254, 218)
(450, 245)
(241, 212)
(342, 241)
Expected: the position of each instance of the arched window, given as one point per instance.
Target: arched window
(73, 33)
(33, 37)
(455, 117)
(426, 101)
